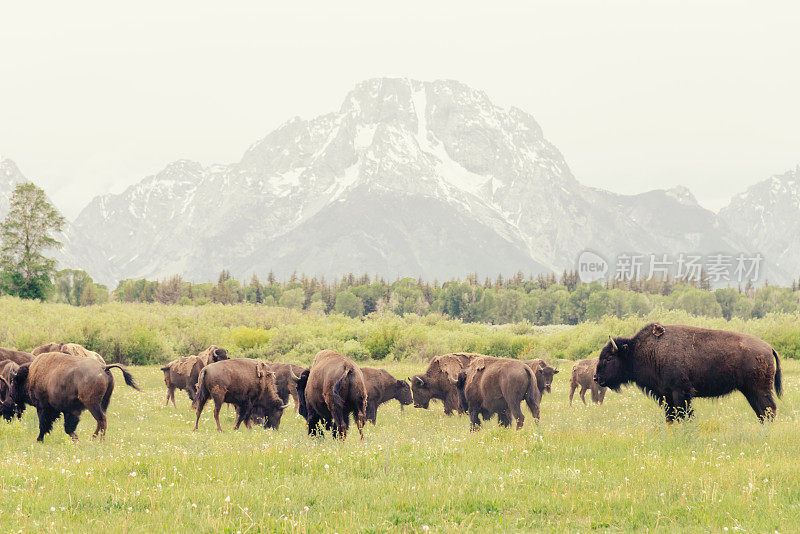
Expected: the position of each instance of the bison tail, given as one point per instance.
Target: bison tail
(533, 395)
(125, 374)
(337, 390)
(778, 381)
(201, 394)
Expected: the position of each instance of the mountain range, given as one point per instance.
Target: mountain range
(407, 178)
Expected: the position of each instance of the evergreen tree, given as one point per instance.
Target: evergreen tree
(26, 234)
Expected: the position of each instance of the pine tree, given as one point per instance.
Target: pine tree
(26, 234)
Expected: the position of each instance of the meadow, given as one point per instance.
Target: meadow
(611, 467)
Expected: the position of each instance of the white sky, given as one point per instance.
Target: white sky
(637, 95)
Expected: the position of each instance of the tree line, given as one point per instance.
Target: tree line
(543, 299)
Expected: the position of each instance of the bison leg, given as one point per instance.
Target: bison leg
(583, 394)
(296, 399)
(47, 416)
(763, 404)
(517, 413)
(573, 387)
(601, 394)
(217, 408)
(71, 420)
(201, 403)
(313, 425)
(503, 419)
(100, 416)
(474, 418)
(170, 395)
(372, 412)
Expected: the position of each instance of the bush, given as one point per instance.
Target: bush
(248, 338)
(355, 350)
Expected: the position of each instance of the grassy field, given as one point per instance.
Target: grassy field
(610, 467)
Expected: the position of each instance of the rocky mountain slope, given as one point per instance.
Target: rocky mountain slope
(409, 178)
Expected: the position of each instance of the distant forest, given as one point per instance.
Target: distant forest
(540, 300)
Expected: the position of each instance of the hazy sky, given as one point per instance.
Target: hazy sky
(637, 95)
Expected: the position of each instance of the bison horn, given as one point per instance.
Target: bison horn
(421, 381)
(614, 345)
(294, 376)
(6, 381)
(284, 406)
(453, 380)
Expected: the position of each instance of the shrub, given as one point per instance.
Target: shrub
(247, 338)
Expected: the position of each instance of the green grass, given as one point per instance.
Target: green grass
(612, 467)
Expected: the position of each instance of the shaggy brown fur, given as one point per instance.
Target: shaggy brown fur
(489, 386)
(335, 389)
(247, 384)
(6, 368)
(383, 387)
(57, 383)
(583, 376)
(285, 384)
(69, 348)
(676, 363)
(435, 382)
(17, 356)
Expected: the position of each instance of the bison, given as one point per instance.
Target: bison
(489, 386)
(56, 383)
(286, 375)
(383, 387)
(544, 374)
(583, 376)
(435, 382)
(183, 372)
(17, 356)
(69, 348)
(334, 389)
(247, 384)
(8, 412)
(676, 363)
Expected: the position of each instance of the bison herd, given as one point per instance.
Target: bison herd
(672, 363)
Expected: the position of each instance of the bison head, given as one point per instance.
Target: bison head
(403, 392)
(544, 377)
(218, 354)
(613, 365)
(269, 405)
(420, 391)
(16, 397)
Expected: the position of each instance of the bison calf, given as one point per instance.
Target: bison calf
(583, 376)
(69, 348)
(17, 356)
(247, 384)
(56, 383)
(184, 372)
(383, 387)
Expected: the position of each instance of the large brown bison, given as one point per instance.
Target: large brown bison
(583, 376)
(435, 382)
(56, 383)
(17, 356)
(383, 387)
(334, 389)
(286, 375)
(676, 363)
(183, 372)
(489, 386)
(247, 384)
(8, 412)
(69, 348)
